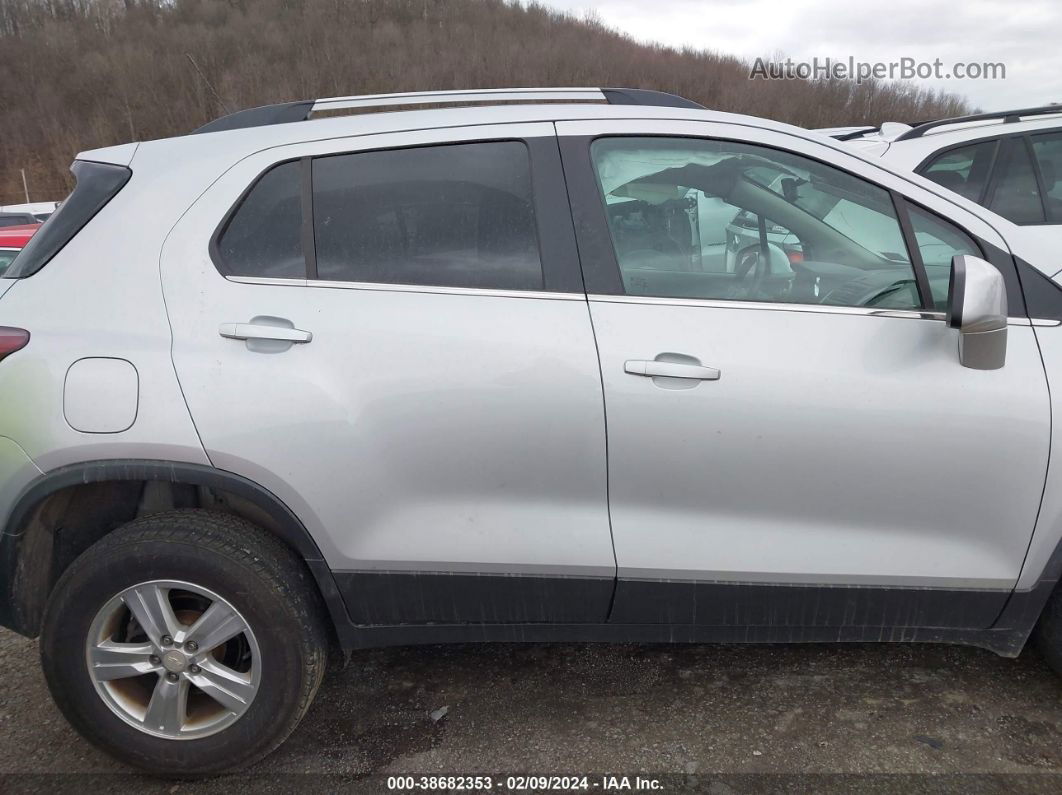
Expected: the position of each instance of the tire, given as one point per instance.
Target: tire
(1048, 633)
(200, 558)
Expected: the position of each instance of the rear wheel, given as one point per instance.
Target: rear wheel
(186, 643)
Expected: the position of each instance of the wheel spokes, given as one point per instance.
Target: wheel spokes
(218, 624)
(150, 605)
(154, 653)
(110, 660)
(167, 710)
(232, 689)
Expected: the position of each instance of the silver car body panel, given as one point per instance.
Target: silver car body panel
(422, 428)
(435, 429)
(800, 464)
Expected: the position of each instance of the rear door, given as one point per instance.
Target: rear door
(389, 332)
(796, 444)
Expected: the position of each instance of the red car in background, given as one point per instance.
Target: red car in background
(12, 240)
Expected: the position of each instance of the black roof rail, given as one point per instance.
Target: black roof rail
(1008, 117)
(851, 136)
(300, 111)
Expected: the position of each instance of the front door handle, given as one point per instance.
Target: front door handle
(256, 331)
(664, 369)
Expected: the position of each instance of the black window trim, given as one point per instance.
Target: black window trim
(61, 227)
(1048, 215)
(554, 233)
(914, 252)
(307, 233)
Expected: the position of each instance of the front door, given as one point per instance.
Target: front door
(794, 442)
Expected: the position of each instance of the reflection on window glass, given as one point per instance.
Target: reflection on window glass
(6, 256)
(454, 216)
(693, 218)
(1048, 149)
(963, 170)
(938, 242)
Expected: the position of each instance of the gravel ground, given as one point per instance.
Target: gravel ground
(709, 718)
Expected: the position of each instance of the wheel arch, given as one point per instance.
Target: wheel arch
(63, 512)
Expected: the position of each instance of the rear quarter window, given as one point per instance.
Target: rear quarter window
(97, 184)
(263, 237)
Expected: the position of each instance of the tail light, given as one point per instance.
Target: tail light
(795, 256)
(12, 339)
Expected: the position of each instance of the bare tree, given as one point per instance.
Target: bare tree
(80, 74)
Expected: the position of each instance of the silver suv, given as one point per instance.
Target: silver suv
(483, 374)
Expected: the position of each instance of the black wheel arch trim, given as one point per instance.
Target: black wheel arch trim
(1006, 635)
(288, 527)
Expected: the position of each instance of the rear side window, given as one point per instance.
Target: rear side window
(263, 238)
(97, 184)
(964, 170)
(1048, 150)
(1016, 195)
(458, 215)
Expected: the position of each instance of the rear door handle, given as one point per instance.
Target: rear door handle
(255, 331)
(658, 369)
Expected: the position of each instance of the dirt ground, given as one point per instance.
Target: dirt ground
(844, 718)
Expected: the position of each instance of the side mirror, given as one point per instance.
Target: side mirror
(977, 307)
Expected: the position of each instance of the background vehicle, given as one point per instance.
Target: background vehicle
(12, 240)
(39, 210)
(16, 219)
(353, 389)
(1008, 161)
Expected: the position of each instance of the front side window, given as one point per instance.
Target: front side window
(454, 216)
(1016, 195)
(964, 171)
(1048, 150)
(701, 219)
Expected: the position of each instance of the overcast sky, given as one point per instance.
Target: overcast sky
(1025, 35)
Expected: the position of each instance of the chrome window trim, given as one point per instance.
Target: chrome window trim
(409, 288)
(266, 280)
(910, 314)
(767, 306)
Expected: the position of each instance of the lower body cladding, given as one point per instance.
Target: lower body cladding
(402, 607)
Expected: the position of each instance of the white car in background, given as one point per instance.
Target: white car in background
(1008, 161)
(39, 210)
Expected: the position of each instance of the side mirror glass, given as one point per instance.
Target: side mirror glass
(977, 307)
